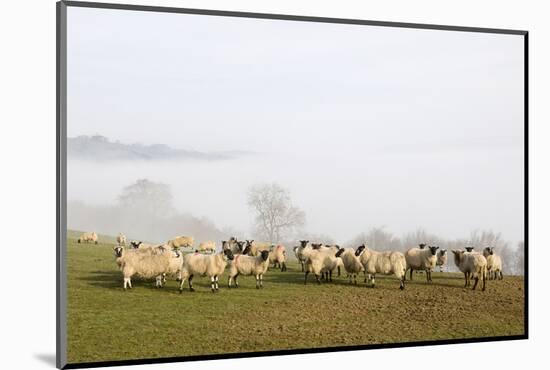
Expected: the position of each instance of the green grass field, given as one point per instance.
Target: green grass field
(107, 323)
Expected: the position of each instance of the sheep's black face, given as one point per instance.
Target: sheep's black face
(316, 246)
(303, 243)
(135, 245)
(337, 246)
(224, 244)
(469, 249)
(491, 251)
(421, 245)
(339, 253)
(359, 250)
(249, 242)
(433, 249)
(240, 246)
(118, 251)
(443, 252)
(228, 254)
(265, 255)
(246, 249)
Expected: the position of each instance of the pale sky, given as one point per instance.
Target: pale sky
(366, 126)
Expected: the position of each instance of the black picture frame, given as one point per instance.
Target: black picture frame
(61, 186)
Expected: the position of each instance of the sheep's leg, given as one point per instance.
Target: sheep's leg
(217, 281)
(212, 283)
(330, 275)
(372, 280)
(127, 283)
(475, 282)
(317, 278)
(365, 274)
(465, 280)
(305, 279)
(261, 280)
(181, 283)
(338, 271)
(235, 279)
(501, 276)
(402, 283)
(257, 281)
(283, 268)
(302, 264)
(190, 283)
(229, 281)
(411, 274)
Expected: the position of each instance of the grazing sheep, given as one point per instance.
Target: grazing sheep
(320, 261)
(385, 263)
(473, 265)
(147, 265)
(422, 259)
(441, 259)
(88, 237)
(248, 265)
(211, 265)
(494, 264)
(256, 247)
(181, 241)
(277, 256)
(121, 239)
(352, 264)
(298, 253)
(207, 247)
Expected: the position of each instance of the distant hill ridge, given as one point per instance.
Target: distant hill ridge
(100, 148)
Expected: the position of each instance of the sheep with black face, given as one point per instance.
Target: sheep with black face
(298, 253)
(473, 265)
(248, 265)
(211, 265)
(494, 264)
(441, 259)
(385, 263)
(319, 261)
(422, 259)
(352, 264)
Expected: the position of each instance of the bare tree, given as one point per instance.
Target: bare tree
(378, 238)
(148, 198)
(275, 217)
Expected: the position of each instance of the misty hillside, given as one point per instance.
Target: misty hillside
(100, 148)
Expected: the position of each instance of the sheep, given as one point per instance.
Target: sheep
(422, 259)
(441, 259)
(473, 265)
(256, 247)
(298, 253)
(212, 265)
(351, 263)
(235, 246)
(88, 237)
(121, 239)
(494, 264)
(277, 256)
(208, 247)
(147, 265)
(385, 263)
(248, 265)
(320, 261)
(181, 241)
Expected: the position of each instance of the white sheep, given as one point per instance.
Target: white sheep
(121, 239)
(385, 263)
(473, 265)
(147, 265)
(277, 257)
(494, 264)
(248, 265)
(422, 259)
(298, 253)
(441, 259)
(181, 242)
(211, 265)
(320, 261)
(88, 237)
(207, 247)
(350, 262)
